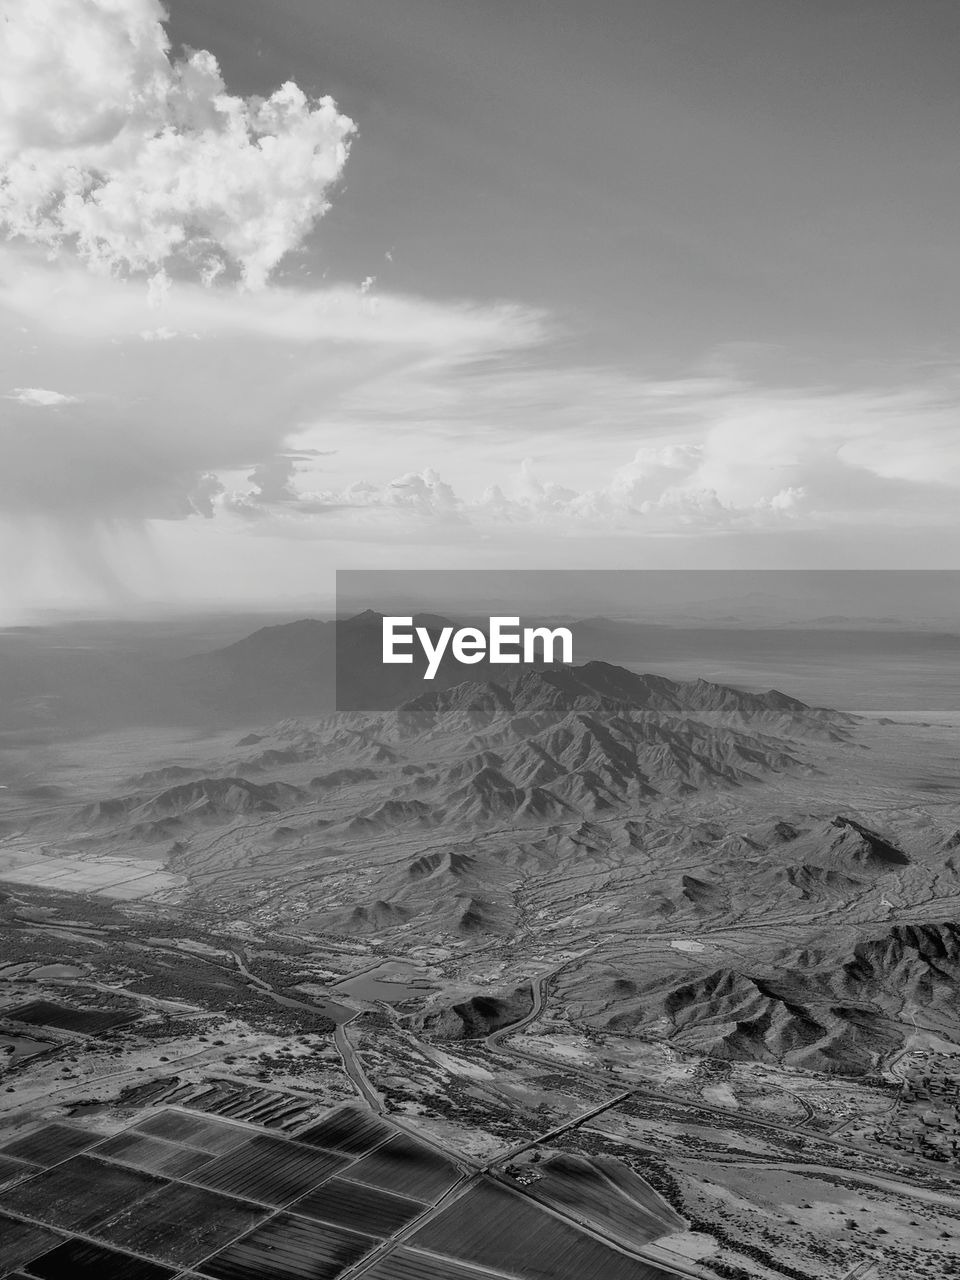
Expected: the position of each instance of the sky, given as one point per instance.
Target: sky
(323, 284)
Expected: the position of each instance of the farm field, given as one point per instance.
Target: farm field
(87, 1261)
(181, 1224)
(409, 1264)
(267, 1107)
(551, 1248)
(194, 1131)
(348, 1130)
(154, 1155)
(21, 1241)
(289, 1248)
(49, 1145)
(43, 1013)
(367, 1209)
(177, 1192)
(404, 1165)
(625, 1209)
(270, 1170)
(79, 1194)
(13, 1170)
(123, 879)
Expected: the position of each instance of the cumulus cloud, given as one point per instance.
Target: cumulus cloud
(273, 479)
(711, 456)
(854, 450)
(660, 493)
(273, 496)
(140, 160)
(271, 487)
(40, 397)
(654, 467)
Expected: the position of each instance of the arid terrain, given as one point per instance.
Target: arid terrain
(667, 964)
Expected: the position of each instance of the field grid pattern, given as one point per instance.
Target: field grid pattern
(184, 1196)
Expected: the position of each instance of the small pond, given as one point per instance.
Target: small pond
(13, 1048)
(390, 983)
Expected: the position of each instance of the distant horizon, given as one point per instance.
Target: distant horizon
(871, 603)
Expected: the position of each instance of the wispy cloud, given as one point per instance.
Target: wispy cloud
(62, 301)
(744, 427)
(222, 387)
(39, 397)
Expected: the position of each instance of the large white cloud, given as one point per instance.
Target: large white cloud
(138, 159)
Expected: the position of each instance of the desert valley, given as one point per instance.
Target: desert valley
(658, 974)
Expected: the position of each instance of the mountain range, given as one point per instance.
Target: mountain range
(55, 682)
(722, 867)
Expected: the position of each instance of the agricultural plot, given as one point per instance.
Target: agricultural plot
(20, 1242)
(408, 1264)
(88, 1022)
(348, 1129)
(13, 1170)
(289, 1248)
(350, 1204)
(181, 1193)
(124, 879)
(49, 1145)
(81, 1260)
(226, 1098)
(79, 1193)
(407, 1167)
(154, 1155)
(271, 1170)
(194, 1131)
(493, 1227)
(626, 1209)
(181, 1224)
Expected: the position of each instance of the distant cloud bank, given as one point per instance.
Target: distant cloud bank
(658, 499)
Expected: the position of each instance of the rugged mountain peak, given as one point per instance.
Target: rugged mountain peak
(603, 689)
(935, 945)
(865, 846)
(216, 796)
